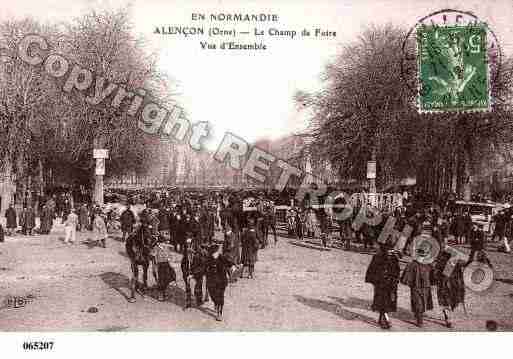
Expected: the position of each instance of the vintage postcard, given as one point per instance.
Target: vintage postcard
(255, 166)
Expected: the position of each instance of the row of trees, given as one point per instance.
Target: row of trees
(365, 110)
(44, 130)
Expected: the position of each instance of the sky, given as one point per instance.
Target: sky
(250, 93)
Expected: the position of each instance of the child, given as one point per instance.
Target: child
(383, 273)
(100, 228)
(71, 227)
(165, 274)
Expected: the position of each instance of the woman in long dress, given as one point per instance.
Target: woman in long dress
(383, 273)
(419, 277)
(450, 289)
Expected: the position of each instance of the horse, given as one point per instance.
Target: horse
(139, 245)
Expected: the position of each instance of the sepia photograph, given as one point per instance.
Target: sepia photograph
(239, 166)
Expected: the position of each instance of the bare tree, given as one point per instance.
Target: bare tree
(365, 109)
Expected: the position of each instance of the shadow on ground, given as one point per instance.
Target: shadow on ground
(174, 295)
(342, 306)
(117, 281)
(117, 238)
(401, 314)
(208, 311)
(336, 309)
(90, 243)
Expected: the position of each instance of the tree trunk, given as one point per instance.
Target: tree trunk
(7, 187)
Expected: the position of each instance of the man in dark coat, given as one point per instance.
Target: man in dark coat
(501, 220)
(153, 220)
(192, 268)
(43, 227)
(10, 216)
(299, 224)
(231, 247)
(30, 220)
(217, 269)
(92, 211)
(197, 229)
(383, 273)
(461, 228)
(52, 206)
(477, 245)
(173, 223)
(22, 220)
(182, 226)
(419, 276)
(163, 219)
(250, 247)
(127, 222)
(83, 217)
(225, 215)
(209, 224)
(66, 208)
(260, 231)
(270, 223)
(2, 238)
(468, 226)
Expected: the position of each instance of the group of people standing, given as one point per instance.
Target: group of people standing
(55, 206)
(384, 273)
(189, 227)
(309, 222)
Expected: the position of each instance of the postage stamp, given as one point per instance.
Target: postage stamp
(453, 69)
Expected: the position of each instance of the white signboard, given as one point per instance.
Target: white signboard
(100, 153)
(100, 167)
(371, 170)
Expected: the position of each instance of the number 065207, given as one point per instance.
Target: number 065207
(37, 345)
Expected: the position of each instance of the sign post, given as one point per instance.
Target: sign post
(100, 155)
(371, 176)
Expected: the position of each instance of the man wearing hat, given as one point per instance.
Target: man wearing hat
(418, 276)
(501, 220)
(192, 268)
(127, 220)
(250, 247)
(477, 244)
(217, 269)
(231, 246)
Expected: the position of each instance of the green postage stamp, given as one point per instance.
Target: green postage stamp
(453, 68)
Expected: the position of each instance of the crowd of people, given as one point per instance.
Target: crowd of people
(446, 227)
(187, 223)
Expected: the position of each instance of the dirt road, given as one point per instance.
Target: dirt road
(83, 287)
